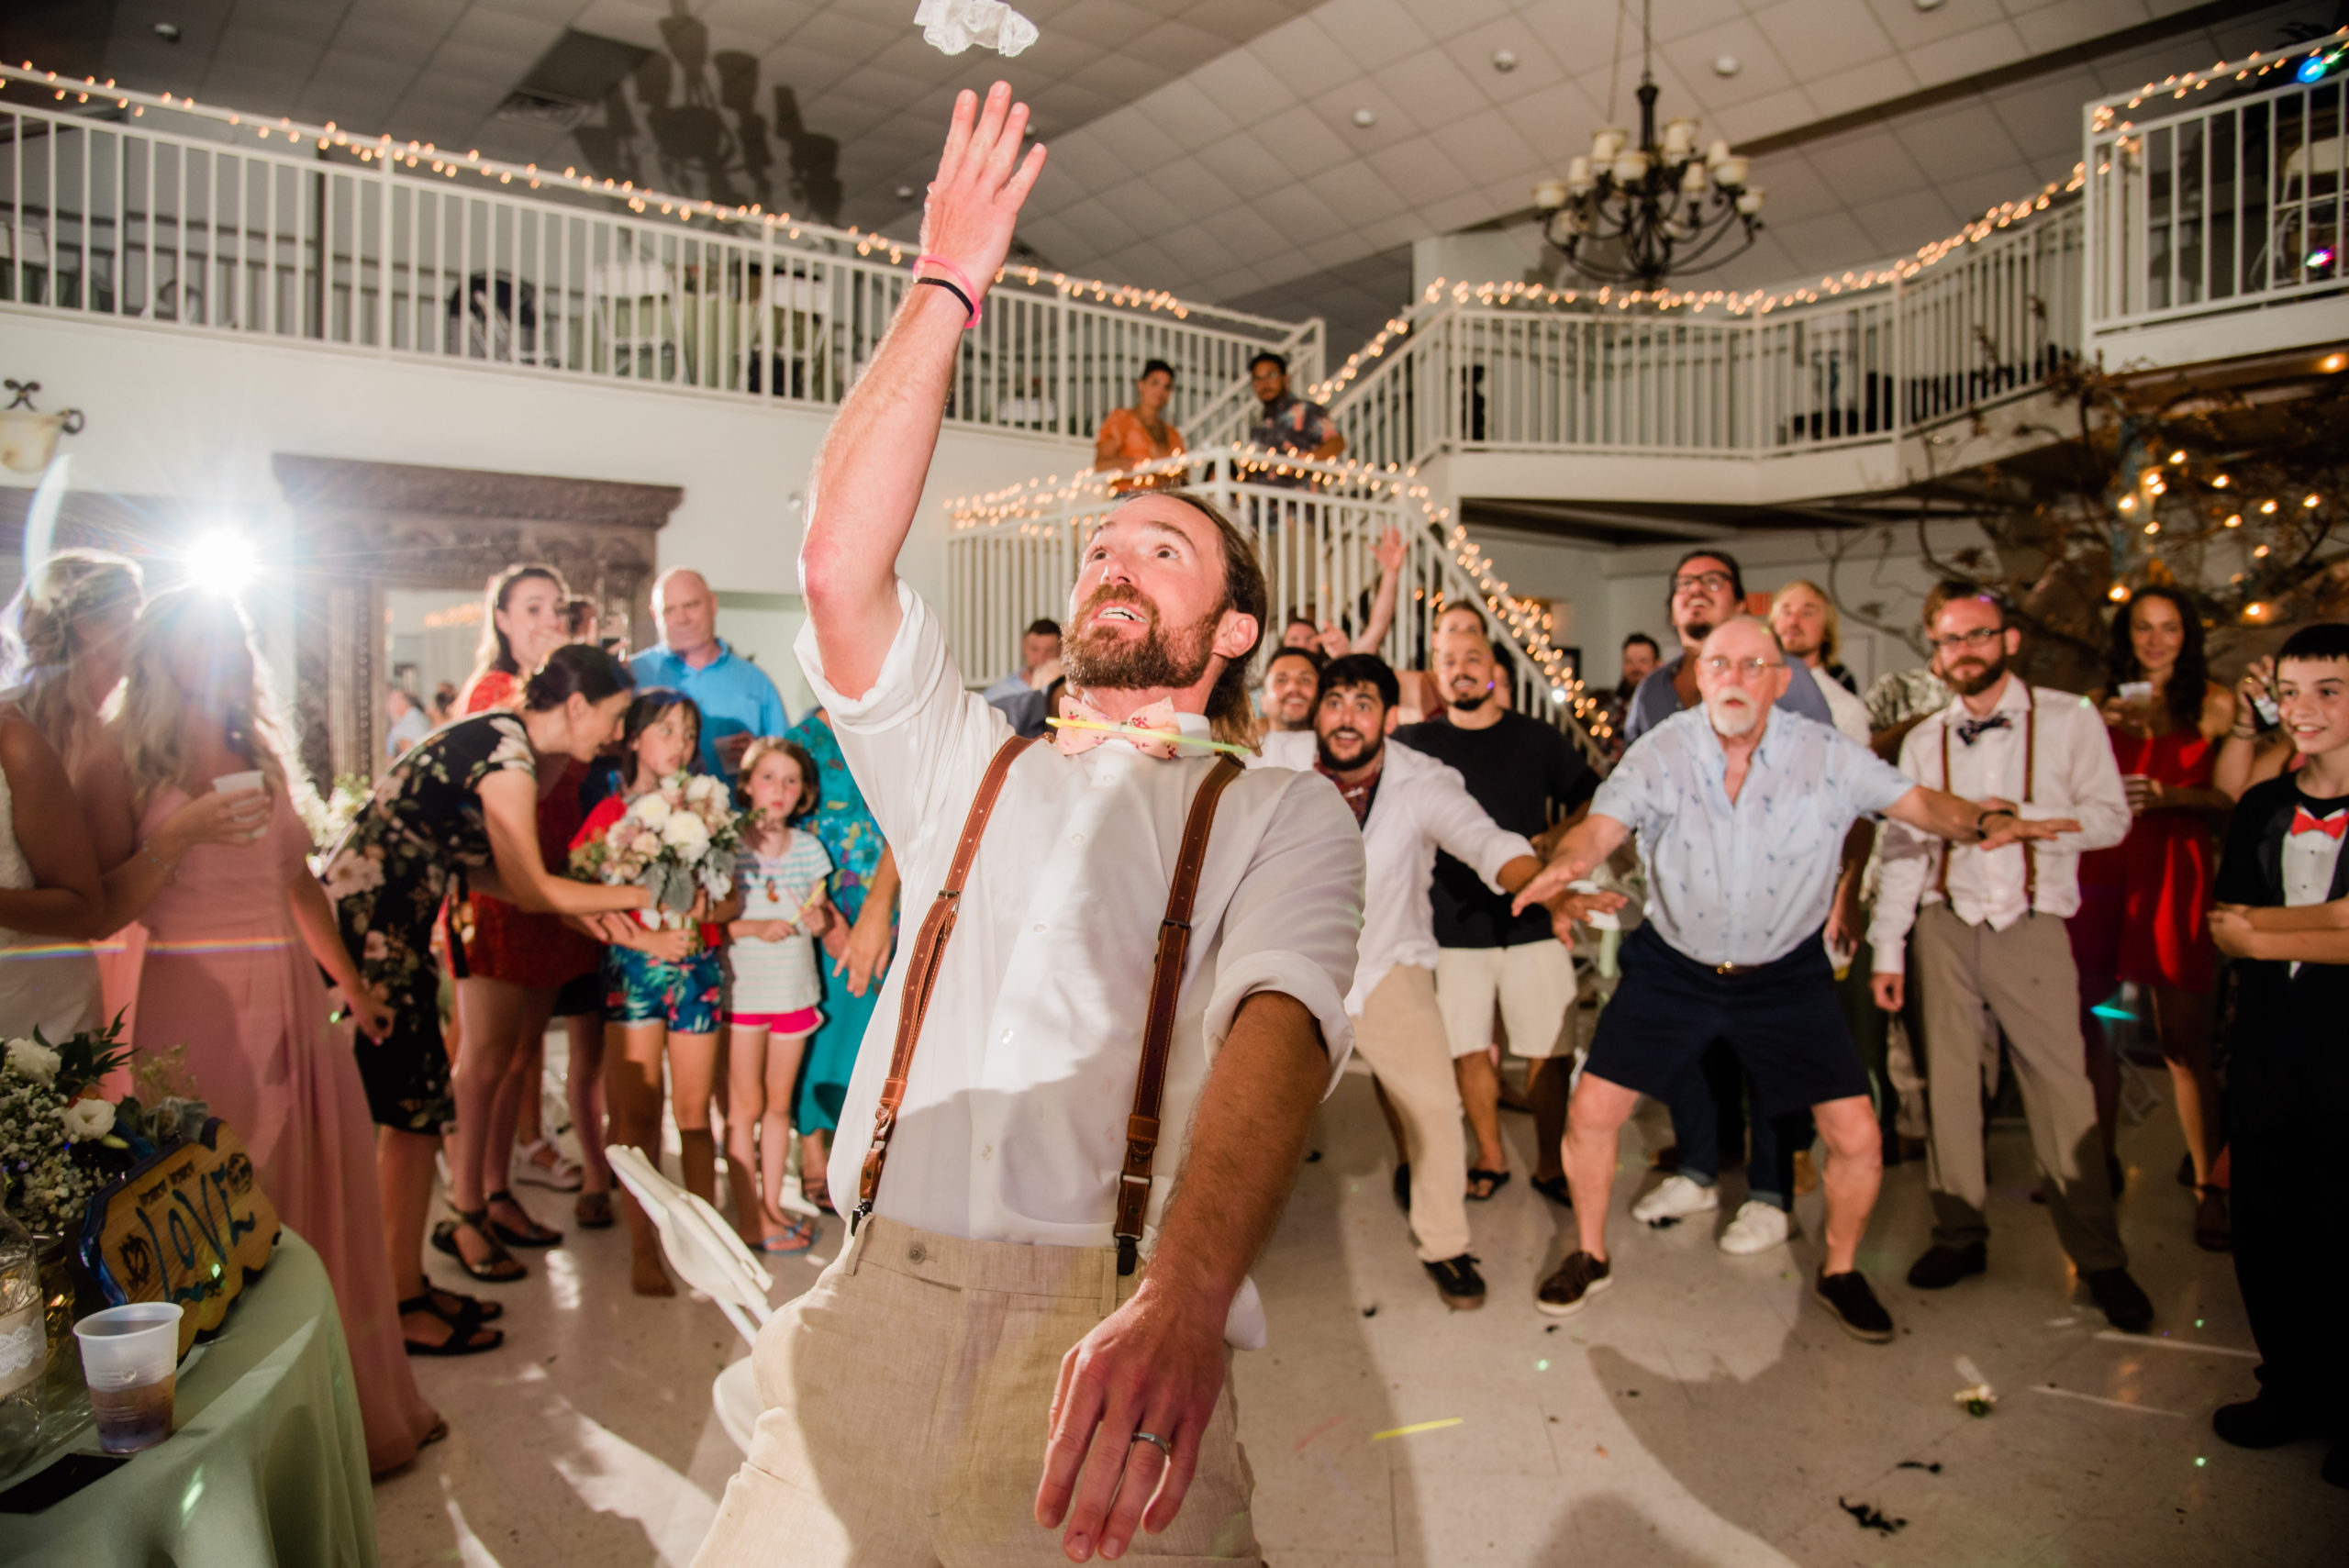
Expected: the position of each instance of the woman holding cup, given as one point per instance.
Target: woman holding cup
(2142, 902)
(237, 931)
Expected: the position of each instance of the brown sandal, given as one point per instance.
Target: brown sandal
(2214, 1229)
(593, 1211)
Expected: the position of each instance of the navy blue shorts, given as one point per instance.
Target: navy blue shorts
(1782, 1020)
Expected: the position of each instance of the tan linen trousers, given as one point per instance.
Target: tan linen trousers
(907, 1396)
(1400, 1033)
(2025, 976)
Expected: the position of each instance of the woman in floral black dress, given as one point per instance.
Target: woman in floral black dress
(460, 808)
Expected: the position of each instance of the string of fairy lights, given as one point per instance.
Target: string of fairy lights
(2309, 60)
(1040, 508)
(2220, 507)
(423, 156)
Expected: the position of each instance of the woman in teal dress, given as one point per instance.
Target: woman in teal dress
(856, 948)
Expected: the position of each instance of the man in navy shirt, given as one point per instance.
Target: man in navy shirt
(737, 700)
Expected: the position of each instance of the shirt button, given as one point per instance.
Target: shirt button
(1076, 838)
(1007, 1037)
(986, 1151)
(913, 1254)
(1039, 928)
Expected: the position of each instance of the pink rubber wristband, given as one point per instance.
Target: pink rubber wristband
(952, 271)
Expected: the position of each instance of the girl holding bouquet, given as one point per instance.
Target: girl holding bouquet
(672, 833)
(781, 871)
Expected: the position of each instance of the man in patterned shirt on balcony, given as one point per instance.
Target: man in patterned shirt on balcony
(1287, 423)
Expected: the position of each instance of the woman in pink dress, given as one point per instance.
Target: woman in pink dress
(235, 936)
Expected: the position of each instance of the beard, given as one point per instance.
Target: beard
(1733, 714)
(1098, 657)
(1693, 635)
(1993, 668)
(1372, 746)
(1470, 699)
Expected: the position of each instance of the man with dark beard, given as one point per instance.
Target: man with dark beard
(1707, 589)
(1740, 811)
(1529, 778)
(1409, 807)
(1292, 677)
(1122, 919)
(1991, 934)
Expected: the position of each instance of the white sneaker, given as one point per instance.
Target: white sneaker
(1676, 1198)
(1757, 1227)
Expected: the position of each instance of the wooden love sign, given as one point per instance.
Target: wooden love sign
(187, 1225)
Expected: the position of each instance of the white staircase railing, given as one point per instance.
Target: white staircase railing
(2215, 205)
(403, 252)
(1012, 558)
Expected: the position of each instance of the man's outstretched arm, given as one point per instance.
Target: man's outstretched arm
(1157, 1364)
(869, 477)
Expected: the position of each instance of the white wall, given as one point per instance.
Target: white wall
(197, 417)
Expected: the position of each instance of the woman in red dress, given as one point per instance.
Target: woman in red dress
(514, 961)
(2144, 901)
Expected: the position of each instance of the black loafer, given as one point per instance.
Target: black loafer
(1569, 1290)
(1403, 1185)
(1943, 1267)
(2266, 1422)
(2125, 1306)
(1457, 1281)
(1855, 1304)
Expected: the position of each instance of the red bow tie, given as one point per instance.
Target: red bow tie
(2331, 826)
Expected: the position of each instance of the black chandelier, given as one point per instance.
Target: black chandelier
(1640, 214)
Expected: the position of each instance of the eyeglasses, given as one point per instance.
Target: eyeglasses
(1720, 665)
(1981, 636)
(1711, 582)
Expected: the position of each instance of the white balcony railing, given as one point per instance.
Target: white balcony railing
(1011, 557)
(2236, 199)
(464, 264)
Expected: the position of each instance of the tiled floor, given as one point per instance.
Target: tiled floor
(1705, 1410)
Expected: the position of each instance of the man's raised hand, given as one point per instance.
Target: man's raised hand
(982, 181)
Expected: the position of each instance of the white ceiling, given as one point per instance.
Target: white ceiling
(1209, 146)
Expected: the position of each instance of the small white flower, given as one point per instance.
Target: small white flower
(87, 1120)
(377, 949)
(34, 1059)
(701, 787)
(652, 810)
(686, 835)
(354, 872)
(622, 832)
(646, 846)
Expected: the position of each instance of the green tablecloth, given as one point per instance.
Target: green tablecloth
(268, 1463)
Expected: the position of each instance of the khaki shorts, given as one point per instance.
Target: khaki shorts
(1533, 982)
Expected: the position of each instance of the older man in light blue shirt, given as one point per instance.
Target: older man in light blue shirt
(1740, 811)
(739, 701)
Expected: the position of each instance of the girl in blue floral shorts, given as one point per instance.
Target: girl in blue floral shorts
(664, 990)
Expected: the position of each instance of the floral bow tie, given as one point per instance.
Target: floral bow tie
(1155, 731)
(2331, 826)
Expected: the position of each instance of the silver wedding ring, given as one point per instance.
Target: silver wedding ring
(1160, 1443)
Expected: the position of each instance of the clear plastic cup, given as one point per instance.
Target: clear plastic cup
(130, 1361)
(243, 783)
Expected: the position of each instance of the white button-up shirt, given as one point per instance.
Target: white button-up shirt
(1422, 805)
(2073, 776)
(1743, 881)
(1013, 1122)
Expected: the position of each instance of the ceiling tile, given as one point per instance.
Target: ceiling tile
(1900, 224)
(1862, 168)
(1111, 24)
(1301, 217)
(1431, 89)
(1372, 32)
(1187, 116)
(1826, 243)
(286, 59)
(1764, 117)
(1247, 232)
(1486, 144)
(1558, 121)
(1909, 28)
(1173, 47)
(1130, 139)
(1962, 140)
(1188, 186)
(1680, 19)
(2055, 27)
(1103, 228)
(1822, 37)
(767, 21)
(1964, 54)
(1244, 86)
(1417, 172)
(514, 39)
(1354, 192)
(1445, 18)
(289, 20)
(1241, 162)
(1969, 197)
(1084, 164)
(1796, 190)
(1302, 144)
(1142, 205)
(1536, 66)
(2043, 120)
(559, 12)
(1391, 121)
(1760, 72)
(1301, 55)
(1050, 238)
(631, 21)
(839, 35)
(1860, 87)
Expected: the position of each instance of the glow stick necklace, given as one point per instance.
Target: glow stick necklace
(1170, 736)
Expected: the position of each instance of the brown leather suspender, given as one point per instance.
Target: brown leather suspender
(1158, 1036)
(2030, 759)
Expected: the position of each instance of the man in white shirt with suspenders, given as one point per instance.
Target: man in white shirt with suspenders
(1109, 1035)
(1991, 935)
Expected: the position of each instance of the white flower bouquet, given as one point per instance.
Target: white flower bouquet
(61, 1138)
(676, 839)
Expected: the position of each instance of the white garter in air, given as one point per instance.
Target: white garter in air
(953, 26)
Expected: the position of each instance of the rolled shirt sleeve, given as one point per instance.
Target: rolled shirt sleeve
(1295, 924)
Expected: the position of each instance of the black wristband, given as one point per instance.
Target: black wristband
(1982, 823)
(970, 311)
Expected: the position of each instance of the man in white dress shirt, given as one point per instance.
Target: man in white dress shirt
(1741, 810)
(1991, 935)
(976, 1369)
(1409, 807)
